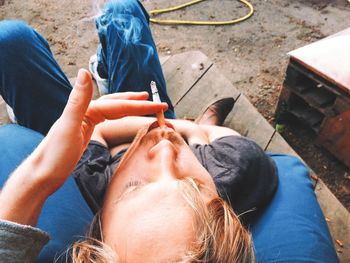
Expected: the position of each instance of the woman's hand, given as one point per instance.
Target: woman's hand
(47, 168)
(66, 141)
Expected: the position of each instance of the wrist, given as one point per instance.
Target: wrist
(186, 128)
(191, 132)
(23, 195)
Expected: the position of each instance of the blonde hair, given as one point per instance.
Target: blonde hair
(220, 236)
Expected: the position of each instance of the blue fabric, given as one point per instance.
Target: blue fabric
(34, 85)
(293, 228)
(127, 54)
(31, 81)
(65, 215)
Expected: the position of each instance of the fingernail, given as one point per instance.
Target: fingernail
(83, 76)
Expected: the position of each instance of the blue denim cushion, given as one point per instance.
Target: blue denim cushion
(65, 215)
(293, 228)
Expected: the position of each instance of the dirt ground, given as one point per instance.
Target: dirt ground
(252, 54)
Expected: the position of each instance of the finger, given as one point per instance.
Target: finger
(127, 96)
(79, 98)
(114, 109)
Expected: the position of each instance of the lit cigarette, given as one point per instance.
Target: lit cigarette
(156, 98)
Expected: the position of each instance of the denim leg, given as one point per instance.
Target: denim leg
(31, 81)
(128, 56)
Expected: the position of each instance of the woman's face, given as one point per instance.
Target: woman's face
(145, 217)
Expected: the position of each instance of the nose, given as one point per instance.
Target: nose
(163, 157)
(163, 151)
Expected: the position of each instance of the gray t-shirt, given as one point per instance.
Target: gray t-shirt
(243, 174)
(20, 243)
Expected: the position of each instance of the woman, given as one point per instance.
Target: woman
(190, 215)
(177, 193)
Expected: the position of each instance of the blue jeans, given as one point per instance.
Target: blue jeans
(127, 53)
(33, 84)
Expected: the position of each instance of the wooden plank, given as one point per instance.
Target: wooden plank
(182, 71)
(279, 145)
(319, 97)
(211, 87)
(311, 117)
(338, 220)
(246, 120)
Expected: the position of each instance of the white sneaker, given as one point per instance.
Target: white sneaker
(102, 84)
(11, 114)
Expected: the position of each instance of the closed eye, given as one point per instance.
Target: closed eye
(129, 187)
(132, 183)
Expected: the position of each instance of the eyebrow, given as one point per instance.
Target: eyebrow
(128, 191)
(136, 188)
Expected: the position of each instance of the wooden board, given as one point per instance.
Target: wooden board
(208, 87)
(212, 86)
(278, 144)
(205, 87)
(338, 220)
(182, 71)
(246, 120)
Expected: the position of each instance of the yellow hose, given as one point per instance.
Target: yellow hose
(189, 22)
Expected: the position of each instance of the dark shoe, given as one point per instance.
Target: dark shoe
(216, 113)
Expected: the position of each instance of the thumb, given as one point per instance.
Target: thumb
(79, 97)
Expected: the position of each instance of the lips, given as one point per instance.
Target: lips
(155, 125)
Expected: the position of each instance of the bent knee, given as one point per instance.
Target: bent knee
(14, 33)
(119, 7)
(122, 4)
